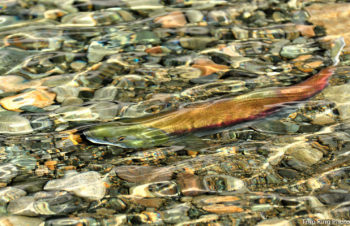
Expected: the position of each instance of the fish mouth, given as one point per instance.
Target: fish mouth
(90, 138)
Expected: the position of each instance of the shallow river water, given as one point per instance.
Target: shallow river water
(174, 112)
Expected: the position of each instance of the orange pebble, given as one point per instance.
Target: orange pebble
(172, 20)
(37, 98)
(306, 30)
(208, 67)
(192, 153)
(51, 164)
(154, 50)
(69, 168)
(222, 209)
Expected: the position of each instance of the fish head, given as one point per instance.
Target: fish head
(126, 136)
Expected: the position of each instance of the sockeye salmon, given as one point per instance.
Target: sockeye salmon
(226, 112)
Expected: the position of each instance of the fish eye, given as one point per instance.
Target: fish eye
(121, 138)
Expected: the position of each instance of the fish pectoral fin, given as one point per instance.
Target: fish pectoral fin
(102, 141)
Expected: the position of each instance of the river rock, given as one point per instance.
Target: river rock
(10, 193)
(14, 124)
(222, 183)
(23, 206)
(341, 96)
(87, 185)
(172, 20)
(275, 222)
(176, 214)
(190, 184)
(155, 189)
(7, 172)
(20, 221)
(38, 98)
(207, 219)
(219, 204)
(332, 16)
(324, 118)
(71, 221)
(305, 153)
(144, 174)
(15, 83)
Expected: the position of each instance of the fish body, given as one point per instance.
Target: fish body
(226, 112)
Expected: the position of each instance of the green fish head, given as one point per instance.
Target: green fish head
(126, 136)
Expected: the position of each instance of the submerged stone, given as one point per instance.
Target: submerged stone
(143, 174)
(88, 185)
(172, 20)
(20, 220)
(7, 172)
(14, 124)
(340, 95)
(10, 193)
(35, 98)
